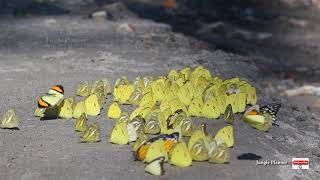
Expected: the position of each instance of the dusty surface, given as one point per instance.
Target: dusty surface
(37, 52)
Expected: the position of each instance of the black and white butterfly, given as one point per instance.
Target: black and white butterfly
(271, 109)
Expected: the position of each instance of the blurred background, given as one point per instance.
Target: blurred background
(280, 36)
(247, 27)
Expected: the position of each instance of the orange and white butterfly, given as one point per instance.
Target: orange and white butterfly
(53, 97)
(169, 141)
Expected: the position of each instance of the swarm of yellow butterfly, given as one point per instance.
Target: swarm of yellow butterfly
(160, 127)
(162, 120)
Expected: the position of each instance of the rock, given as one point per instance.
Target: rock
(302, 69)
(118, 11)
(125, 27)
(315, 105)
(299, 23)
(304, 90)
(296, 3)
(229, 31)
(50, 22)
(99, 16)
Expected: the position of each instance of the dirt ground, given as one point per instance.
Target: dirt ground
(39, 51)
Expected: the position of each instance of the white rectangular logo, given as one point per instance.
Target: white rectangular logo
(300, 163)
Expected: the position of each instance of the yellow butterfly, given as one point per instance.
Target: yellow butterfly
(139, 142)
(155, 167)
(176, 105)
(39, 112)
(232, 88)
(225, 135)
(114, 111)
(79, 109)
(202, 84)
(180, 81)
(81, 124)
(184, 95)
(185, 124)
(210, 109)
(178, 115)
(106, 86)
(199, 71)
(92, 133)
(101, 97)
(157, 90)
(83, 89)
(92, 105)
(97, 86)
(123, 90)
(124, 117)
(152, 125)
(173, 75)
(141, 111)
(138, 124)
(222, 89)
(242, 102)
(66, 108)
(196, 106)
(221, 103)
(252, 95)
(220, 154)
(229, 115)
(180, 155)
(163, 123)
(132, 132)
(101, 85)
(136, 96)
(198, 151)
(156, 150)
(233, 100)
(185, 72)
(199, 134)
(10, 120)
(120, 134)
(147, 100)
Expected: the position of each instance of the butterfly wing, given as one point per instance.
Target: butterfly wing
(81, 124)
(79, 109)
(92, 105)
(271, 109)
(196, 106)
(114, 111)
(180, 155)
(198, 151)
(66, 109)
(210, 109)
(119, 134)
(155, 167)
(226, 135)
(155, 151)
(229, 115)
(50, 99)
(92, 133)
